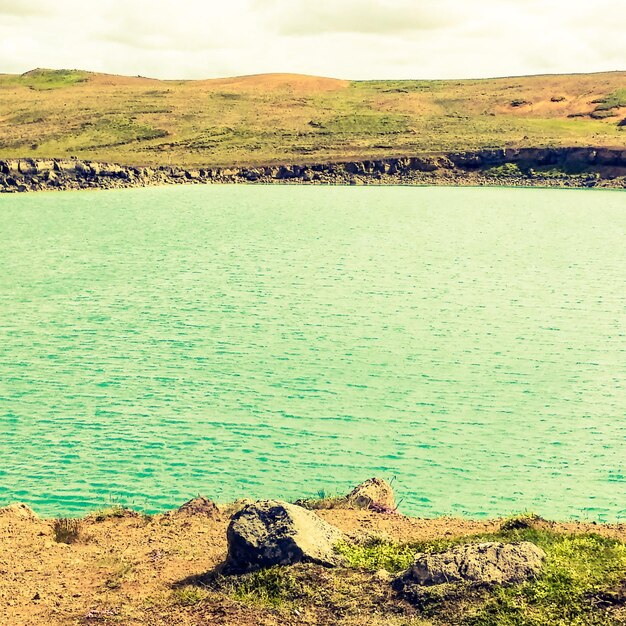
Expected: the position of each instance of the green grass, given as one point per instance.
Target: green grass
(189, 596)
(577, 571)
(113, 511)
(377, 554)
(367, 124)
(324, 501)
(269, 587)
(507, 170)
(44, 80)
(60, 113)
(614, 100)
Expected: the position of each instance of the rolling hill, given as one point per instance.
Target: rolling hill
(275, 118)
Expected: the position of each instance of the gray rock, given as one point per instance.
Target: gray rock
(485, 563)
(374, 493)
(271, 532)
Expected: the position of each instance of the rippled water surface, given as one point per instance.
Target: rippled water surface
(275, 341)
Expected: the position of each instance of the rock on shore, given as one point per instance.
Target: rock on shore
(555, 167)
(271, 532)
(484, 563)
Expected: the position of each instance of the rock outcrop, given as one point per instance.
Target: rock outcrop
(375, 494)
(200, 506)
(556, 167)
(271, 532)
(482, 563)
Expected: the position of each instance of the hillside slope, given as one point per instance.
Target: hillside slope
(279, 118)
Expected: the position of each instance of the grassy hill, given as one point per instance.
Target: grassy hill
(274, 118)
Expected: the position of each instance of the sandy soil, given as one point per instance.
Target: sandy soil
(125, 570)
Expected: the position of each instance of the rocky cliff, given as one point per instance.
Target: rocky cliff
(554, 167)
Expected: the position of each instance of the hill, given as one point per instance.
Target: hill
(277, 118)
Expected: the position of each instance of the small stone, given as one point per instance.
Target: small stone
(374, 493)
(200, 506)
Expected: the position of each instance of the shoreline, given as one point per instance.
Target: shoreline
(22, 510)
(120, 566)
(564, 168)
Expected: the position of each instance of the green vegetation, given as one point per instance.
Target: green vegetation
(277, 119)
(324, 501)
(579, 585)
(270, 587)
(365, 124)
(376, 554)
(577, 572)
(113, 511)
(43, 80)
(614, 100)
(189, 596)
(507, 170)
(520, 521)
(580, 573)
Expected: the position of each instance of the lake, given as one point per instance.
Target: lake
(275, 341)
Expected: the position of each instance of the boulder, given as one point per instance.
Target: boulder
(483, 563)
(374, 493)
(27, 167)
(272, 532)
(200, 506)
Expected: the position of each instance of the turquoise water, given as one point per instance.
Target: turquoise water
(275, 341)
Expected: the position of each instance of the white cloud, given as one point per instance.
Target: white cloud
(347, 38)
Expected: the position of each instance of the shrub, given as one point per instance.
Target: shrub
(67, 530)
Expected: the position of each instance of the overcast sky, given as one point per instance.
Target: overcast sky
(340, 38)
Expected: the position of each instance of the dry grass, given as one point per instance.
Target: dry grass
(67, 530)
(286, 118)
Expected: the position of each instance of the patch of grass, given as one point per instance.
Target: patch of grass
(121, 574)
(377, 554)
(507, 170)
(113, 511)
(520, 521)
(189, 596)
(614, 100)
(578, 572)
(270, 587)
(42, 80)
(398, 86)
(324, 501)
(67, 530)
(577, 569)
(365, 124)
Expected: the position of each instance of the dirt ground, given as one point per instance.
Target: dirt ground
(126, 568)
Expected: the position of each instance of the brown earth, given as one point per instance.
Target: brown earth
(131, 569)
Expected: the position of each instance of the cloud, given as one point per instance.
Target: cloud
(36, 8)
(347, 39)
(301, 17)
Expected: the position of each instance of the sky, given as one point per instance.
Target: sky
(353, 39)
